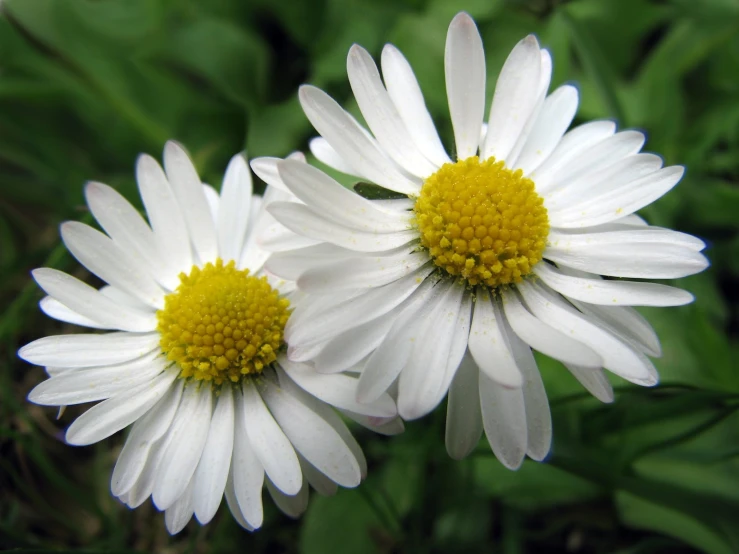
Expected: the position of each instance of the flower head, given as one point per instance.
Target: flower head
(447, 284)
(195, 357)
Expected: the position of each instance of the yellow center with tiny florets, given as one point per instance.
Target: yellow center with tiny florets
(222, 323)
(482, 221)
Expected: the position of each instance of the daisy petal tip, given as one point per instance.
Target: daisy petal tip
(462, 19)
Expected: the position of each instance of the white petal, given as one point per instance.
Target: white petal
(91, 303)
(337, 203)
(362, 273)
(612, 293)
(616, 355)
(213, 199)
(381, 115)
(488, 345)
(233, 504)
(271, 446)
(545, 338)
(325, 153)
(464, 66)
(381, 425)
(594, 380)
(88, 350)
(266, 170)
(278, 238)
(313, 437)
(516, 95)
(236, 194)
(164, 214)
(594, 158)
(246, 469)
(639, 258)
(179, 513)
(186, 185)
(97, 383)
(504, 420)
(305, 221)
(292, 506)
(538, 416)
(621, 201)
(463, 416)
(406, 95)
(112, 415)
(182, 455)
(553, 120)
(316, 479)
(292, 263)
(104, 258)
(120, 220)
(336, 390)
(423, 383)
(212, 471)
(144, 434)
(570, 147)
(53, 308)
(357, 310)
(355, 146)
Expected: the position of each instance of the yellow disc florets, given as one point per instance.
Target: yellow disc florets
(222, 323)
(482, 221)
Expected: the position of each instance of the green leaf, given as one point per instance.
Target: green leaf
(376, 192)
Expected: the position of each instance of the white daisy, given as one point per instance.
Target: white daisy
(195, 359)
(447, 288)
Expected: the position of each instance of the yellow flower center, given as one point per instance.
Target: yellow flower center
(222, 323)
(482, 221)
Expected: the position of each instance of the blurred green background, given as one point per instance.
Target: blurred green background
(85, 85)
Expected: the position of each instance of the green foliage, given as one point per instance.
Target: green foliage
(85, 85)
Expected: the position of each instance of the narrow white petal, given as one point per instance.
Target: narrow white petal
(120, 220)
(236, 195)
(104, 258)
(316, 479)
(246, 469)
(164, 214)
(381, 425)
(593, 158)
(336, 390)
(406, 95)
(357, 310)
(555, 117)
(543, 337)
(278, 238)
(212, 471)
(620, 201)
(516, 95)
(271, 446)
(233, 504)
(594, 380)
(304, 221)
(612, 293)
(213, 199)
(362, 273)
(313, 437)
(91, 303)
(88, 350)
(464, 67)
(326, 154)
(97, 383)
(354, 145)
(292, 506)
(617, 356)
(185, 449)
(381, 115)
(112, 415)
(504, 420)
(53, 308)
(573, 143)
(488, 345)
(423, 383)
(186, 185)
(144, 434)
(179, 513)
(337, 203)
(463, 415)
(266, 170)
(292, 263)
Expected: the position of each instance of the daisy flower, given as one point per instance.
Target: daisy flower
(444, 288)
(195, 358)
